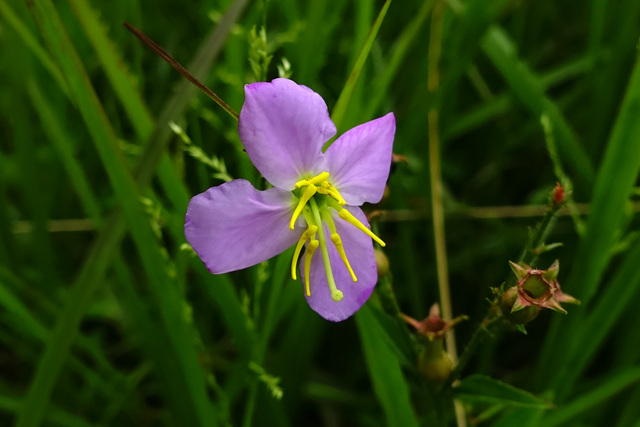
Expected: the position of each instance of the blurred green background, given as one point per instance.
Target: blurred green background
(108, 318)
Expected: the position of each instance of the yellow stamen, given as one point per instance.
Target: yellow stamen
(312, 181)
(336, 294)
(347, 216)
(311, 248)
(306, 195)
(329, 189)
(311, 231)
(337, 241)
(334, 193)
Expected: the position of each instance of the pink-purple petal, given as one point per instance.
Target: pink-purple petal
(234, 226)
(360, 159)
(359, 249)
(283, 127)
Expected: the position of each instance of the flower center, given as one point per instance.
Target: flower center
(316, 198)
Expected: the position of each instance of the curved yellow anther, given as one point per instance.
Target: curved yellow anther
(347, 216)
(334, 193)
(306, 195)
(309, 232)
(312, 181)
(327, 188)
(311, 248)
(337, 241)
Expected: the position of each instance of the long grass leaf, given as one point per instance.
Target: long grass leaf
(399, 53)
(61, 142)
(385, 372)
(340, 108)
(480, 388)
(500, 49)
(32, 43)
(55, 353)
(55, 416)
(614, 185)
(607, 390)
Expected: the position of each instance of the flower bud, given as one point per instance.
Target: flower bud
(434, 362)
(382, 262)
(558, 195)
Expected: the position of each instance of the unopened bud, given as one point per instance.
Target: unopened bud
(382, 262)
(558, 194)
(434, 362)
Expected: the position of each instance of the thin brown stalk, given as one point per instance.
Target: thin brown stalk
(179, 68)
(437, 209)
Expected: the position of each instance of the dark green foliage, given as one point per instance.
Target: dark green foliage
(107, 317)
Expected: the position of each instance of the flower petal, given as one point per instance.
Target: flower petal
(283, 127)
(234, 226)
(359, 161)
(359, 249)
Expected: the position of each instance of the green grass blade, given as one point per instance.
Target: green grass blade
(385, 372)
(125, 89)
(322, 20)
(122, 83)
(32, 43)
(61, 142)
(400, 52)
(480, 388)
(54, 355)
(615, 181)
(499, 48)
(610, 387)
(340, 108)
(614, 185)
(55, 416)
(621, 291)
(500, 104)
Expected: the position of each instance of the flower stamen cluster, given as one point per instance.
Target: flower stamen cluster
(316, 203)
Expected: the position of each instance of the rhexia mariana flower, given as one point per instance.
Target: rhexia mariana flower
(314, 201)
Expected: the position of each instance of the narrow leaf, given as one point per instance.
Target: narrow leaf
(480, 388)
(608, 389)
(527, 87)
(340, 108)
(385, 372)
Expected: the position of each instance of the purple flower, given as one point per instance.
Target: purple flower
(314, 203)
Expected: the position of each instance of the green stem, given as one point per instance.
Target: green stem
(437, 208)
(478, 337)
(538, 237)
(489, 322)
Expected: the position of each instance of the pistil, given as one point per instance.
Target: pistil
(337, 241)
(336, 294)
